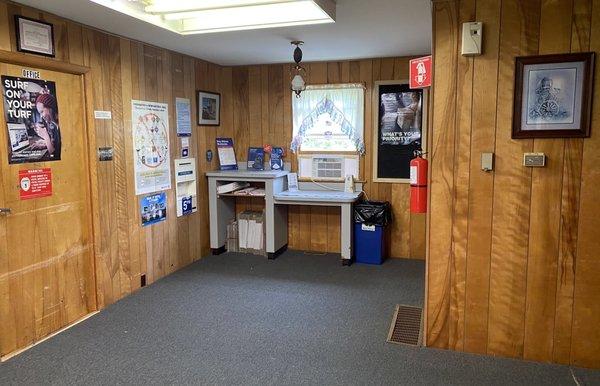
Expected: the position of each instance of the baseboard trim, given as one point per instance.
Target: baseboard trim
(13, 354)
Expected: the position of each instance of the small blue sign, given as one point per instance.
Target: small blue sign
(153, 208)
(186, 205)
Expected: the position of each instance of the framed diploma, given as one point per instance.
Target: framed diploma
(34, 36)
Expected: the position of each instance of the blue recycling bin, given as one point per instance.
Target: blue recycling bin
(368, 243)
(370, 220)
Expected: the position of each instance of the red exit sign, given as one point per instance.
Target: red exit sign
(420, 72)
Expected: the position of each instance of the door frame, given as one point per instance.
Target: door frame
(85, 75)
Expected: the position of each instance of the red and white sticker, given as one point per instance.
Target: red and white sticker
(420, 72)
(35, 183)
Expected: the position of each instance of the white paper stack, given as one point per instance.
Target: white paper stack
(232, 236)
(243, 232)
(231, 187)
(251, 232)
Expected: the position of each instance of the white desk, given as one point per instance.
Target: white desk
(326, 198)
(222, 208)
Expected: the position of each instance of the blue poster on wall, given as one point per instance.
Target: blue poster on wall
(153, 208)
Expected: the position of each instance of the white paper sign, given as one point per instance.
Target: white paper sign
(184, 117)
(99, 114)
(369, 228)
(185, 147)
(152, 158)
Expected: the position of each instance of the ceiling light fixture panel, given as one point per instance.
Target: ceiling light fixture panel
(189, 17)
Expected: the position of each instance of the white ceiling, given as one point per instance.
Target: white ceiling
(364, 29)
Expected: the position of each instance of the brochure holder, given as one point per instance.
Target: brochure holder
(185, 186)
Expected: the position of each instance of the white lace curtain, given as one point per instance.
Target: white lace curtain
(344, 102)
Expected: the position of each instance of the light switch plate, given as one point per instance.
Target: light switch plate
(534, 160)
(487, 162)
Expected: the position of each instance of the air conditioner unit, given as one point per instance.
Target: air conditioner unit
(328, 167)
(332, 167)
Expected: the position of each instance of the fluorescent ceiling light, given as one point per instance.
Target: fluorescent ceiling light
(188, 17)
(169, 6)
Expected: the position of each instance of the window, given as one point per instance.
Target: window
(329, 118)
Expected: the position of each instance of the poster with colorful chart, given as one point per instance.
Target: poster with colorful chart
(152, 159)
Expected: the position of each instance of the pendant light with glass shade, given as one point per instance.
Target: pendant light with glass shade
(298, 83)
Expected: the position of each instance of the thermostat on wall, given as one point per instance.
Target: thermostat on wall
(534, 159)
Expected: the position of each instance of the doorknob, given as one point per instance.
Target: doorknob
(4, 211)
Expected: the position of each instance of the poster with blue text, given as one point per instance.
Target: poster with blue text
(153, 208)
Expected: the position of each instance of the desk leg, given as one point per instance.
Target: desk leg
(346, 234)
(221, 210)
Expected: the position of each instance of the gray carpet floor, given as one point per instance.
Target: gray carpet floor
(240, 319)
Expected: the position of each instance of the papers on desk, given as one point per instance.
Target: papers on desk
(250, 191)
(317, 196)
(232, 187)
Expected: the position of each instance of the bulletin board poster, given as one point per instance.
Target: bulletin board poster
(31, 113)
(400, 131)
(153, 208)
(184, 117)
(150, 121)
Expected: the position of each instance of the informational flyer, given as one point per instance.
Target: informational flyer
(153, 208)
(226, 153)
(184, 117)
(31, 112)
(152, 164)
(35, 183)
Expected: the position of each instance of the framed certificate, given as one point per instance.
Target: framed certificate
(34, 36)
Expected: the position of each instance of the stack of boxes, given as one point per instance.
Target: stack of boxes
(232, 236)
(251, 232)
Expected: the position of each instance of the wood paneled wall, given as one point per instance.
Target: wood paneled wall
(257, 109)
(123, 70)
(514, 255)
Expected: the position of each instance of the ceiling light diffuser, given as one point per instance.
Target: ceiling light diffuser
(188, 17)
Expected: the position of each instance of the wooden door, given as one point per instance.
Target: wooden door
(46, 251)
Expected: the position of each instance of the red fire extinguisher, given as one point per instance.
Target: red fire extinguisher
(418, 183)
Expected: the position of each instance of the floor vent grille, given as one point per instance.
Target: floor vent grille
(406, 325)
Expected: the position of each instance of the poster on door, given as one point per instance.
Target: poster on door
(152, 164)
(31, 113)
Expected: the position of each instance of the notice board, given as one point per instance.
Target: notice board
(400, 126)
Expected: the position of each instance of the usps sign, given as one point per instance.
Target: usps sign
(420, 72)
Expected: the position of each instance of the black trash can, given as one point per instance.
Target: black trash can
(370, 220)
